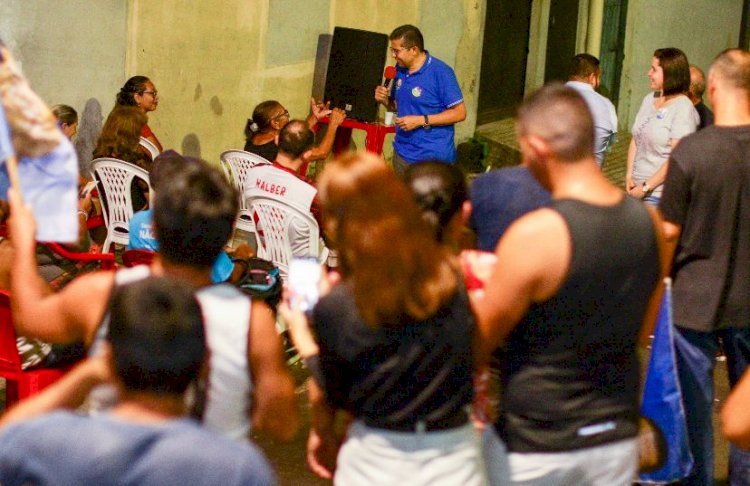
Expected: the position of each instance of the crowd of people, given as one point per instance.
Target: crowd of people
(181, 366)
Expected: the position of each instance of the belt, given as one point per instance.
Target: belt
(454, 421)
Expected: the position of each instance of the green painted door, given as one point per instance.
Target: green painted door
(504, 53)
(613, 47)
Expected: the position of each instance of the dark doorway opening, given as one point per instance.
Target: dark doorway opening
(612, 49)
(504, 54)
(561, 39)
(744, 27)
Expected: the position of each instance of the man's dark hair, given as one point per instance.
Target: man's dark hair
(560, 116)
(697, 83)
(166, 165)
(583, 65)
(296, 138)
(194, 213)
(156, 334)
(676, 69)
(410, 36)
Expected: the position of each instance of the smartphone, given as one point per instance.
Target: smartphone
(303, 281)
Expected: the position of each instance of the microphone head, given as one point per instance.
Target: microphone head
(390, 72)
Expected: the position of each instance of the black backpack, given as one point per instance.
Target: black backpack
(262, 280)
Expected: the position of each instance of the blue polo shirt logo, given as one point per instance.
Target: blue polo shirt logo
(398, 83)
(416, 91)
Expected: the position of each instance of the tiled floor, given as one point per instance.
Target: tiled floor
(501, 138)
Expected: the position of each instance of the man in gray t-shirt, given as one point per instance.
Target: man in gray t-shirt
(158, 347)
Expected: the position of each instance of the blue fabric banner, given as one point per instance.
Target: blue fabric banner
(6, 146)
(662, 399)
(49, 184)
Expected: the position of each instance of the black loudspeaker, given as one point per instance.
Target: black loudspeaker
(355, 67)
(322, 53)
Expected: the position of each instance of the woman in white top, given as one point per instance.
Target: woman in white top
(666, 115)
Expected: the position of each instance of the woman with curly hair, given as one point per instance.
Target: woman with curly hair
(120, 136)
(140, 91)
(119, 140)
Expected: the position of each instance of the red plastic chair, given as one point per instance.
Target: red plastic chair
(107, 260)
(131, 258)
(19, 384)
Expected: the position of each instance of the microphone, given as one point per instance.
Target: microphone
(390, 73)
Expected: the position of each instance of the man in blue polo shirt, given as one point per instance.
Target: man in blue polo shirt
(427, 99)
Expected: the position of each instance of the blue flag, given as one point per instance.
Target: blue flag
(662, 399)
(49, 184)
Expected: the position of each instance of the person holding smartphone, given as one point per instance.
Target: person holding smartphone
(392, 342)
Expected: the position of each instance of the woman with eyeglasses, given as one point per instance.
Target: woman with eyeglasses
(270, 116)
(140, 91)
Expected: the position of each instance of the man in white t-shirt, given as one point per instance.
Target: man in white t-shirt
(282, 181)
(585, 75)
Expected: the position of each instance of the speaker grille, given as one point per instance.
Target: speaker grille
(355, 67)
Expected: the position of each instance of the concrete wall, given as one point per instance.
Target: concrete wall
(206, 59)
(213, 60)
(701, 29)
(72, 52)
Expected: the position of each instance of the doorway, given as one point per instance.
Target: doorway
(561, 39)
(504, 53)
(613, 47)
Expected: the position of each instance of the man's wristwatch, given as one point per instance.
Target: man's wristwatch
(646, 188)
(426, 124)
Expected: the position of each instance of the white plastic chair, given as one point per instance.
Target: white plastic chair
(114, 179)
(236, 164)
(149, 145)
(280, 221)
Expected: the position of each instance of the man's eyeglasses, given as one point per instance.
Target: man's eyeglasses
(283, 113)
(396, 50)
(153, 93)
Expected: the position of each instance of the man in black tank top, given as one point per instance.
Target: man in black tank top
(574, 285)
